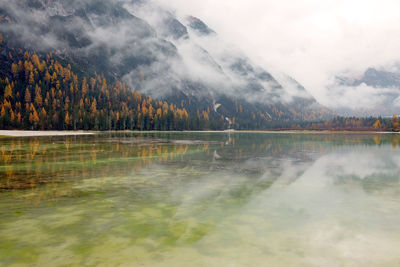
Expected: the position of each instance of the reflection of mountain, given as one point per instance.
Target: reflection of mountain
(182, 61)
(285, 199)
(261, 159)
(374, 170)
(338, 160)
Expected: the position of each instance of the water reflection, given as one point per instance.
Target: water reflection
(174, 199)
(27, 164)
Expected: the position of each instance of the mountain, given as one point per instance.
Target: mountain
(375, 78)
(382, 86)
(199, 26)
(180, 60)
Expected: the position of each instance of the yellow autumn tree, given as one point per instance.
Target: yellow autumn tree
(38, 96)
(377, 124)
(93, 107)
(8, 92)
(68, 119)
(27, 95)
(31, 78)
(33, 116)
(85, 87)
(395, 123)
(14, 70)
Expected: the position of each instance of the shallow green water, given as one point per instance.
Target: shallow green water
(200, 199)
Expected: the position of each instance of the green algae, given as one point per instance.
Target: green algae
(281, 199)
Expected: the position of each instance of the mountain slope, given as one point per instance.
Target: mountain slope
(382, 86)
(375, 78)
(156, 53)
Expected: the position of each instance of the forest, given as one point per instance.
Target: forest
(44, 95)
(38, 92)
(340, 123)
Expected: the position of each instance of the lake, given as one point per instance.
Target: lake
(201, 199)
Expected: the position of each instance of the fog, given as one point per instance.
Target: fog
(146, 52)
(310, 40)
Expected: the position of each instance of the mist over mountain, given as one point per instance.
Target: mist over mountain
(381, 88)
(181, 60)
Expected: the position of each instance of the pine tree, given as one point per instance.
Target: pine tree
(8, 92)
(31, 78)
(33, 116)
(27, 96)
(38, 96)
(14, 70)
(48, 97)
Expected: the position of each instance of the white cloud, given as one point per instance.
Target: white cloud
(311, 40)
(397, 102)
(349, 97)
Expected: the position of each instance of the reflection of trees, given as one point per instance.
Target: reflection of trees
(268, 158)
(27, 163)
(157, 193)
(396, 141)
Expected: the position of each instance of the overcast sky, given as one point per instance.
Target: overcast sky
(311, 40)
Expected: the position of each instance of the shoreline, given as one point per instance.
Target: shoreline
(20, 133)
(269, 131)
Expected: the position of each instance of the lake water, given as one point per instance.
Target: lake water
(200, 199)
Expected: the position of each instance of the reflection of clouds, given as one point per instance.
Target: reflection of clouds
(306, 216)
(362, 163)
(288, 172)
(350, 246)
(305, 176)
(334, 221)
(288, 202)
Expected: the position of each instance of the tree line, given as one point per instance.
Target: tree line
(37, 92)
(43, 94)
(345, 124)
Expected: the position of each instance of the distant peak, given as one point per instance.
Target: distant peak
(199, 26)
(371, 71)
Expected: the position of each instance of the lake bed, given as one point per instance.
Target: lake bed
(215, 199)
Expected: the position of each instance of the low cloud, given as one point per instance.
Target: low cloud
(310, 40)
(363, 99)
